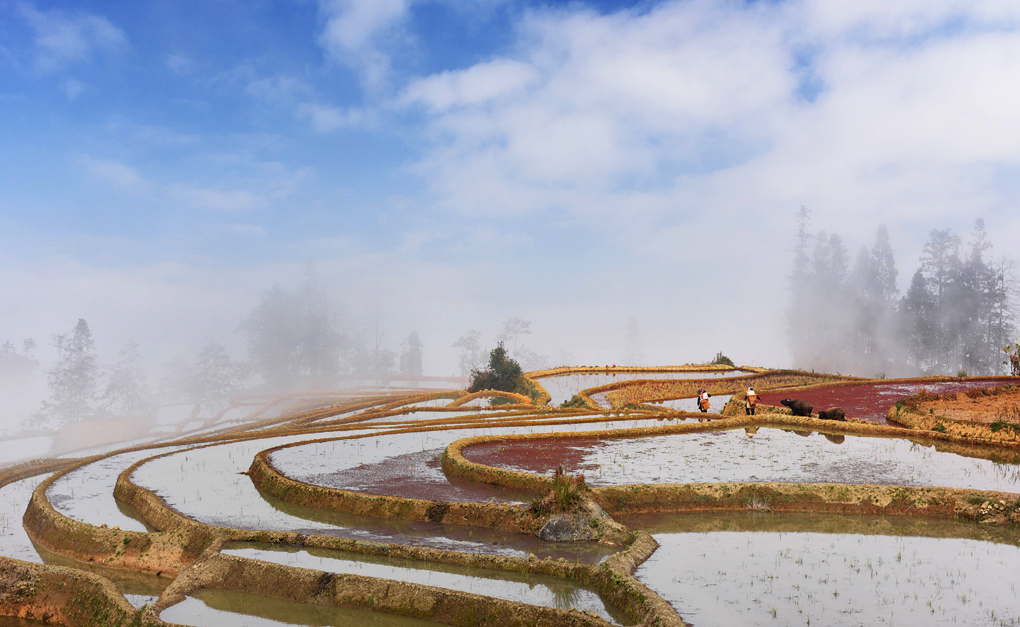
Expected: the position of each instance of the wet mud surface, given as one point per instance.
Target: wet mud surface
(871, 401)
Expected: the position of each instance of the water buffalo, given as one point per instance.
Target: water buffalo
(798, 407)
(832, 413)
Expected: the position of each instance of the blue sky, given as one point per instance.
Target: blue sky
(446, 165)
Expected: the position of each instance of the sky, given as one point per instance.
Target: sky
(445, 165)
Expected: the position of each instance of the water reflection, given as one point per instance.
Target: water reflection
(773, 569)
(519, 587)
(771, 455)
(225, 608)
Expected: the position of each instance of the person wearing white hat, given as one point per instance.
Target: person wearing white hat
(750, 400)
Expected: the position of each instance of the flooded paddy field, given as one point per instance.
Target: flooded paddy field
(563, 387)
(209, 485)
(411, 475)
(871, 401)
(801, 569)
(225, 608)
(86, 493)
(523, 588)
(769, 455)
(721, 568)
(14, 498)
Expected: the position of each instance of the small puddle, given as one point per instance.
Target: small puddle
(522, 588)
(795, 569)
(764, 455)
(226, 608)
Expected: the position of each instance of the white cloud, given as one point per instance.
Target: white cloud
(478, 85)
(357, 33)
(64, 38)
(120, 176)
(180, 63)
(73, 88)
(692, 113)
(905, 20)
(327, 118)
(220, 199)
(247, 230)
(599, 102)
(279, 89)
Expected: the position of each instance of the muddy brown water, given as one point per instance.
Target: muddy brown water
(769, 455)
(803, 569)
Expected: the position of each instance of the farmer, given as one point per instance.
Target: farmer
(750, 400)
(703, 397)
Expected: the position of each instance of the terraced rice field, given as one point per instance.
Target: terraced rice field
(404, 510)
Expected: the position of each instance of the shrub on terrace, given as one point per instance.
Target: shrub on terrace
(722, 360)
(503, 374)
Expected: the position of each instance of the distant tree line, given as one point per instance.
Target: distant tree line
(955, 316)
(293, 340)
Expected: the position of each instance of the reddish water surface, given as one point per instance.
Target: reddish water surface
(414, 475)
(537, 456)
(871, 401)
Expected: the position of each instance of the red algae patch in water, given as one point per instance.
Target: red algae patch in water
(735, 455)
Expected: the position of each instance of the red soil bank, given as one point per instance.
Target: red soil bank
(871, 401)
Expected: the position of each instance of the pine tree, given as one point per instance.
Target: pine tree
(940, 261)
(798, 312)
(918, 322)
(127, 391)
(216, 375)
(410, 359)
(74, 380)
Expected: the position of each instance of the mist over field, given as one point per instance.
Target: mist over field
(330, 191)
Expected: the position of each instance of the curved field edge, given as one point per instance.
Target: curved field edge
(908, 411)
(188, 550)
(620, 394)
(980, 505)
